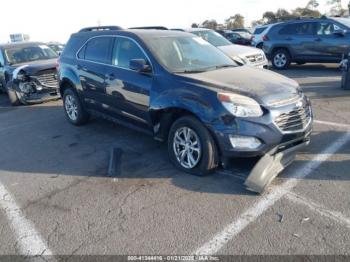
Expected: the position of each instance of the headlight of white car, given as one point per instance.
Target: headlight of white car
(240, 106)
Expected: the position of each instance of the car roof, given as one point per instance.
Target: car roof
(20, 44)
(198, 29)
(142, 33)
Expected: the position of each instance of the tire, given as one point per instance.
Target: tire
(12, 94)
(260, 45)
(74, 110)
(206, 160)
(281, 59)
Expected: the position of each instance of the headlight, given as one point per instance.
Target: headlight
(240, 106)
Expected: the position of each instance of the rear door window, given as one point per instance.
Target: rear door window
(298, 29)
(98, 50)
(259, 30)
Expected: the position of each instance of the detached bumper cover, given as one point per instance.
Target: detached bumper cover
(270, 165)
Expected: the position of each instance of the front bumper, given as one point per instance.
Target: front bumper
(39, 97)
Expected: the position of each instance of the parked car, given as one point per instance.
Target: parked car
(57, 47)
(259, 35)
(179, 88)
(238, 38)
(242, 54)
(241, 30)
(323, 40)
(28, 72)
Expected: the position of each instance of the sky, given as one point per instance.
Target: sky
(55, 20)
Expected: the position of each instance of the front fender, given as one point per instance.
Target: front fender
(198, 102)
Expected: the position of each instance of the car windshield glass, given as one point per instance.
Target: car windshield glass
(344, 21)
(188, 54)
(213, 37)
(23, 54)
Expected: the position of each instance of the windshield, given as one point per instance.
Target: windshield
(342, 20)
(188, 54)
(212, 37)
(57, 48)
(23, 54)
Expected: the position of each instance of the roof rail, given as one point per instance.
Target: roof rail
(100, 28)
(150, 27)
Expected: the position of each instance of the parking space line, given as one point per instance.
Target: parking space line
(334, 215)
(28, 240)
(326, 123)
(269, 199)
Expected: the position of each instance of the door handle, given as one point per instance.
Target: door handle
(110, 77)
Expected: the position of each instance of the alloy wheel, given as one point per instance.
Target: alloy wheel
(71, 107)
(187, 147)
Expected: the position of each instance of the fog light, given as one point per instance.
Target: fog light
(244, 142)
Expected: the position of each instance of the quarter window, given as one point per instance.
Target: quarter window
(98, 50)
(124, 51)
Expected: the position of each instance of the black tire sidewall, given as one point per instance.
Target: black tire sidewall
(286, 53)
(209, 155)
(82, 115)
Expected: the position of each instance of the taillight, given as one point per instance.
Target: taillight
(265, 38)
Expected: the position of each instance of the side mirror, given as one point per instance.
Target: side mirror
(140, 65)
(340, 32)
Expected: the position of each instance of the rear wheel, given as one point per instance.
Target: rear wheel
(281, 59)
(191, 147)
(73, 108)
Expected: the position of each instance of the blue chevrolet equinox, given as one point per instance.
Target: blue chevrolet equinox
(180, 89)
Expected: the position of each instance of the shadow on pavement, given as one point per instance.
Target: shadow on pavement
(55, 148)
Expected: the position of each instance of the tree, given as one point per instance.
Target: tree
(312, 5)
(306, 12)
(234, 22)
(280, 16)
(194, 25)
(269, 17)
(211, 24)
(336, 8)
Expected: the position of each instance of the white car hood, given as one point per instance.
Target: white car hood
(239, 50)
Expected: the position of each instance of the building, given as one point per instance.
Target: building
(19, 37)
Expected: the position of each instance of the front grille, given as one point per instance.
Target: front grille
(48, 80)
(257, 58)
(296, 120)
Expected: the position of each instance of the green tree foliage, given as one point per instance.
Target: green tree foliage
(336, 8)
(211, 24)
(234, 22)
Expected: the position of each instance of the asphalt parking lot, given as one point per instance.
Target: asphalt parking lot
(56, 197)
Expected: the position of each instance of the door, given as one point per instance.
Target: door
(330, 44)
(94, 60)
(128, 91)
(300, 38)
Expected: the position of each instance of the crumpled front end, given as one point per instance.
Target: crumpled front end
(35, 87)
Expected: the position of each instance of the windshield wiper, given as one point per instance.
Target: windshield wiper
(224, 66)
(191, 71)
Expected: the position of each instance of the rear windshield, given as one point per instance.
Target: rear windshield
(23, 54)
(259, 30)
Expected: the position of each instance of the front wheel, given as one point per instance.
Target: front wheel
(281, 59)
(191, 147)
(12, 94)
(73, 108)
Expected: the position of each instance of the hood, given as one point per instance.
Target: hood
(239, 50)
(31, 68)
(265, 86)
